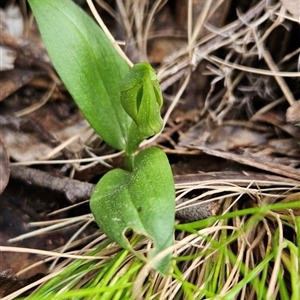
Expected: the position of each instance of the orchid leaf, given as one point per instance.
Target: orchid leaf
(88, 65)
(141, 200)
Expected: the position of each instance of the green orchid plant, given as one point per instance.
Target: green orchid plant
(122, 104)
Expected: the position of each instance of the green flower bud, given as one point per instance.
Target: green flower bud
(141, 98)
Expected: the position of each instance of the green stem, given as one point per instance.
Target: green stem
(134, 140)
(129, 162)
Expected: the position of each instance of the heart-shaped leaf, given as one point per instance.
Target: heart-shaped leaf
(141, 200)
(87, 63)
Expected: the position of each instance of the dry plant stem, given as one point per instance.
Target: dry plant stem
(58, 211)
(149, 21)
(58, 225)
(268, 107)
(67, 142)
(79, 242)
(69, 161)
(274, 277)
(124, 17)
(284, 87)
(108, 9)
(218, 61)
(189, 27)
(39, 104)
(184, 243)
(139, 11)
(63, 265)
(234, 274)
(205, 46)
(213, 40)
(172, 79)
(69, 242)
(272, 167)
(287, 17)
(48, 253)
(30, 286)
(258, 239)
(107, 32)
(199, 22)
(289, 56)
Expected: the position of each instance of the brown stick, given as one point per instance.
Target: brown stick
(76, 190)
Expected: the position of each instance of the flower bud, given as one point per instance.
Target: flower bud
(141, 98)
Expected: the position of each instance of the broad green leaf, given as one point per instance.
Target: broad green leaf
(142, 99)
(87, 63)
(142, 200)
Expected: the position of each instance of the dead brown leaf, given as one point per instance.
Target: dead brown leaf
(285, 147)
(27, 139)
(259, 161)
(224, 138)
(11, 81)
(4, 166)
(24, 138)
(278, 121)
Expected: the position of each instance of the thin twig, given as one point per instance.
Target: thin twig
(74, 190)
